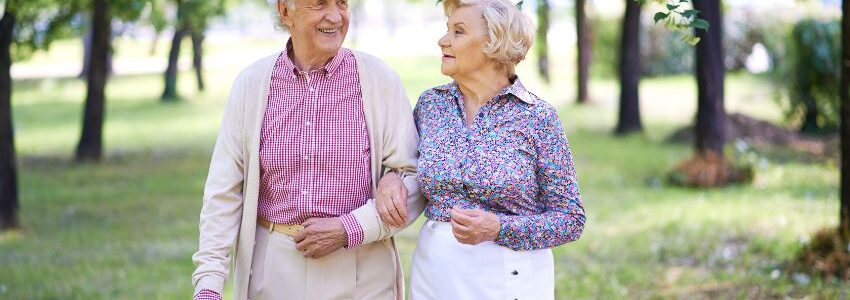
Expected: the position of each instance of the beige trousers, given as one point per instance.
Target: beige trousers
(280, 272)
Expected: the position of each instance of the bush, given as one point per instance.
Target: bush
(812, 75)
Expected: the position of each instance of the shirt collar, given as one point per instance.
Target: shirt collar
(517, 89)
(329, 68)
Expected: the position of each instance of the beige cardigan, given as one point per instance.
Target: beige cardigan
(229, 214)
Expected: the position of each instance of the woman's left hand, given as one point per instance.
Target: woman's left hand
(474, 226)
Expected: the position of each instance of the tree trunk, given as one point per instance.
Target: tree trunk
(711, 116)
(629, 117)
(810, 118)
(170, 92)
(584, 51)
(8, 171)
(197, 56)
(87, 45)
(91, 140)
(845, 122)
(542, 40)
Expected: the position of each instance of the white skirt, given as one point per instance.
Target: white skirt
(443, 268)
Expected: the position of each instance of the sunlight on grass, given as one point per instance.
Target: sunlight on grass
(126, 228)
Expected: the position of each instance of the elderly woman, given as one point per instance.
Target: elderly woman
(307, 134)
(494, 166)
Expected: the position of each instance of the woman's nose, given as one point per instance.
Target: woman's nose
(443, 42)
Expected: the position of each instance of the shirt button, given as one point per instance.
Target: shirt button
(304, 193)
(307, 123)
(306, 157)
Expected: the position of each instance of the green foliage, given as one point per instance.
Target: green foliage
(680, 16)
(38, 23)
(662, 51)
(813, 72)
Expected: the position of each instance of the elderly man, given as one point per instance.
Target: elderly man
(306, 136)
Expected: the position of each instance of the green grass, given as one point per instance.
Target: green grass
(126, 228)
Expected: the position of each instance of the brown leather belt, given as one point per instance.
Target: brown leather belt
(290, 230)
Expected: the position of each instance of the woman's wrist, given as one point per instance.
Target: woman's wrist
(494, 226)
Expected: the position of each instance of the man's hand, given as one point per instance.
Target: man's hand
(391, 200)
(474, 226)
(321, 236)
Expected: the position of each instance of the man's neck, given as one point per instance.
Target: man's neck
(307, 61)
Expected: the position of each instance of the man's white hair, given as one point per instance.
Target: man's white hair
(278, 23)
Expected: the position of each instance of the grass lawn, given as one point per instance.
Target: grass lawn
(126, 228)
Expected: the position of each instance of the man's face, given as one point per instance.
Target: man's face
(318, 26)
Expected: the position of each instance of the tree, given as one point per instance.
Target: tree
(91, 140)
(711, 116)
(192, 19)
(629, 116)
(90, 145)
(543, 9)
(8, 170)
(26, 26)
(844, 211)
(585, 47)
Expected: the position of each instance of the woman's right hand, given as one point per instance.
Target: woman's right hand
(391, 200)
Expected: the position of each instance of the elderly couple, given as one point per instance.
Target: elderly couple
(319, 162)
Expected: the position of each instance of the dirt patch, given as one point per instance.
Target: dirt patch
(705, 170)
(768, 138)
(827, 255)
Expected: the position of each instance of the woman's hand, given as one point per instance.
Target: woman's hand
(391, 200)
(474, 226)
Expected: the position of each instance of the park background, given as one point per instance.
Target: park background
(121, 222)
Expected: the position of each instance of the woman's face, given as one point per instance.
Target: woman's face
(463, 43)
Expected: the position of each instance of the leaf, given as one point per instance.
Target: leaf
(672, 7)
(693, 41)
(701, 24)
(660, 16)
(518, 5)
(689, 13)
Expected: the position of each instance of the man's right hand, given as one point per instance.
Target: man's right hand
(391, 200)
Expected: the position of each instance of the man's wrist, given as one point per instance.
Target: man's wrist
(353, 231)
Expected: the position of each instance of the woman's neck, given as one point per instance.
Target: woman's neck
(481, 86)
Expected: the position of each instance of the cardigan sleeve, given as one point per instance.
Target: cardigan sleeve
(222, 207)
(399, 141)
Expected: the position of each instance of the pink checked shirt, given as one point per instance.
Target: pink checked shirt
(314, 148)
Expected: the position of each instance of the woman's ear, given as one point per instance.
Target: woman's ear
(286, 15)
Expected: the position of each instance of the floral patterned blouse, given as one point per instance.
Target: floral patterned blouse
(512, 160)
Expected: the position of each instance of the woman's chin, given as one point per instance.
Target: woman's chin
(446, 70)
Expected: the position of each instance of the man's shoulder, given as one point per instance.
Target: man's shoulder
(258, 69)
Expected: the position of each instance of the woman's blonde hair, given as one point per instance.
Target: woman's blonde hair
(511, 32)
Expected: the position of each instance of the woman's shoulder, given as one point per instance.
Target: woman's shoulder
(435, 94)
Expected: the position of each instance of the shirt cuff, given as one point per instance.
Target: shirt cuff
(352, 227)
(212, 283)
(206, 294)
